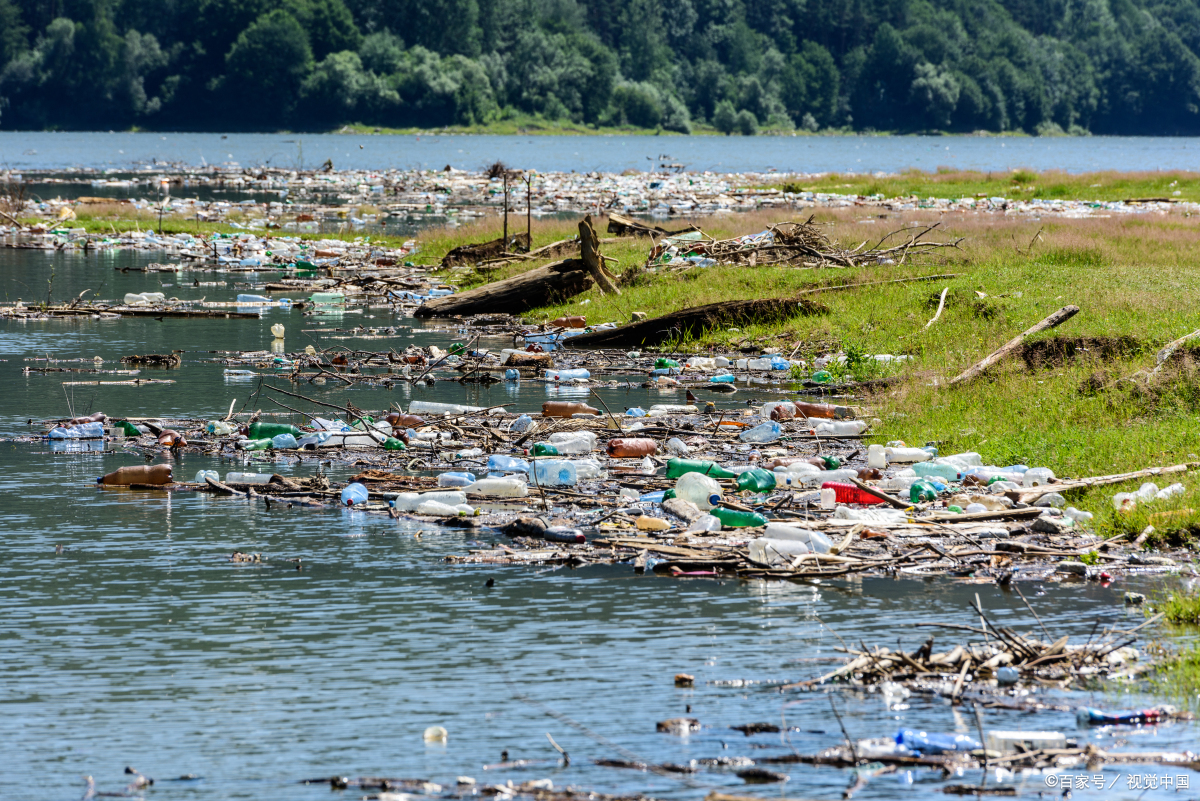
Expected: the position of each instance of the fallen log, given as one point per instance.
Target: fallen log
(539, 287)
(696, 321)
(620, 225)
(464, 255)
(1053, 321)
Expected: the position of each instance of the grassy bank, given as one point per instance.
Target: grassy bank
(1015, 185)
(1071, 400)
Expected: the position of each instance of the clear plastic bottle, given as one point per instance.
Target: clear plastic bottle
(499, 463)
(247, 478)
(409, 501)
(673, 408)
(767, 432)
(939, 469)
(773, 552)
(587, 469)
(203, 475)
(676, 447)
(720, 362)
(574, 441)
(554, 473)
(218, 428)
(354, 494)
(1077, 515)
(522, 424)
(1167, 493)
(777, 410)
(453, 479)
(432, 508)
(904, 455)
(635, 412)
(567, 375)
(499, 488)
(701, 490)
(429, 407)
(704, 523)
(1038, 477)
(284, 442)
(815, 540)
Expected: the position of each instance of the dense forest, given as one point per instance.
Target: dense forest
(741, 66)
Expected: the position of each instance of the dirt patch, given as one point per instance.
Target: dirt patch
(1058, 351)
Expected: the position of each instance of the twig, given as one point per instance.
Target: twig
(1035, 614)
(849, 741)
(941, 305)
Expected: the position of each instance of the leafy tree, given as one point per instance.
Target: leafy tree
(271, 57)
(746, 123)
(725, 118)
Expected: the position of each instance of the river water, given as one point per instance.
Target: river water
(21, 150)
(142, 645)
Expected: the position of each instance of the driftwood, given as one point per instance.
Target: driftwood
(589, 248)
(696, 321)
(473, 254)
(1053, 321)
(539, 287)
(1031, 495)
(620, 225)
(1166, 353)
(154, 360)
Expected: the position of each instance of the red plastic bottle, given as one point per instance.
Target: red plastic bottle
(848, 493)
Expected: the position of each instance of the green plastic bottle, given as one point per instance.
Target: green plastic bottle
(922, 491)
(457, 349)
(393, 444)
(544, 449)
(756, 480)
(669, 494)
(681, 467)
(256, 444)
(268, 430)
(822, 377)
(662, 363)
(732, 518)
(831, 462)
(129, 428)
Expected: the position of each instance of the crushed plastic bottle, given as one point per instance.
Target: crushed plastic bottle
(499, 463)
(354, 494)
(767, 432)
(453, 479)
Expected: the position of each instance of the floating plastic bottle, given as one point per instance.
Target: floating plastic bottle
(543, 449)
(354, 494)
(512, 375)
(216, 427)
(815, 540)
(567, 375)
(849, 493)
(430, 407)
(647, 523)
(627, 448)
(756, 480)
(568, 322)
(699, 489)
(452, 479)
(566, 409)
(821, 377)
(137, 474)
(680, 467)
(254, 444)
(253, 299)
(587, 469)
(635, 412)
(935, 742)
(284, 442)
(767, 432)
(410, 501)
(574, 441)
(564, 534)
(676, 447)
(777, 410)
(267, 430)
(554, 473)
(732, 518)
(432, 508)
(704, 523)
(202, 476)
(499, 488)
(247, 478)
(672, 408)
(315, 439)
(130, 430)
(85, 431)
(522, 424)
(499, 463)
(662, 363)
(723, 379)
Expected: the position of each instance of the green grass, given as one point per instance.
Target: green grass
(1178, 606)
(1178, 678)
(1017, 185)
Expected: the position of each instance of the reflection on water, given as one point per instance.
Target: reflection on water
(142, 644)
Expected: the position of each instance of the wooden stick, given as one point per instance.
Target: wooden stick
(1053, 321)
(941, 305)
(589, 251)
(883, 496)
(840, 287)
(1166, 353)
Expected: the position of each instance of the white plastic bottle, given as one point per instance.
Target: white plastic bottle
(566, 442)
(766, 551)
(698, 488)
(815, 540)
(409, 501)
(499, 488)
(908, 455)
(247, 478)
(877, 457)
(1039, 477)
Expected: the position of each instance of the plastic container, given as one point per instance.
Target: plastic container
(849, 493)
(202, 476)
(85, 431)
(874, 515)
(838, 428)
(254, 444)
(284, 442)
(627, 448)
(723, 379)
(137, 474)
(732, 518)
(354, 494)
(777, 410)
(587, 469)
(699, 489)
(756, 480)
(253, 299)
(908, 455)
(216, 427)
(567, 375)
(566, 409)
(922, 491)
(680, 467)
(672, 408)
(1038, 477)
(247, 478)
(499, 488)
(815, 540)
(704, 523)
(767, 551)
(938, 469)
(521, 424)
(635, 412)
(499, 463)
(676, 447)
(144, 298)
(512, 375)
(452, 479)
(277, 330)
(432, 508)
(268, 430)
(767, 432)
(935, 742)
(429, 407)
(554, 473)
(409, 501)
(574, 441)
(824, 411)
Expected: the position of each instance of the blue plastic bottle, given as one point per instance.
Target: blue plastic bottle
(354, 494)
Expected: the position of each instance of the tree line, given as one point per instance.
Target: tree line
(741, 66)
